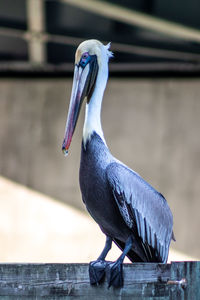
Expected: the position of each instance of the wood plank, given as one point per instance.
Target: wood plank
(142, 280)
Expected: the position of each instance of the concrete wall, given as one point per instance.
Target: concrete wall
(152, 125)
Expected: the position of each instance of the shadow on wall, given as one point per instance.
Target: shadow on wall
(152, 125)
(30, 220)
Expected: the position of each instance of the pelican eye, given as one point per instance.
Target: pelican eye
(85, 58)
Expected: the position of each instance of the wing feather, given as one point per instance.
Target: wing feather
(140, 203)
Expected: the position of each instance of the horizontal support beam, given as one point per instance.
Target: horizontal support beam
(177, 69)
(166, 281)
(133, 17)
(75, 41)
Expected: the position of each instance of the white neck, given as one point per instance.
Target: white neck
(93, 109)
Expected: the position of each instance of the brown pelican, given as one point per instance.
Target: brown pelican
(128, 210)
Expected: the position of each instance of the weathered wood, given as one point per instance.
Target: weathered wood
(179, 280)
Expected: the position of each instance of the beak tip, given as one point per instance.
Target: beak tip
(65, 151)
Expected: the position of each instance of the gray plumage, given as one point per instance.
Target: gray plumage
(140, 202)
(124, 204)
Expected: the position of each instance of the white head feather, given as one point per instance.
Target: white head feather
(93, 109)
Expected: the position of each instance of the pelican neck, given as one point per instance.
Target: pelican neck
(92, 121)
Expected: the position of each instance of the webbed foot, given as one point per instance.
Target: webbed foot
(114, 274)
(97, 271)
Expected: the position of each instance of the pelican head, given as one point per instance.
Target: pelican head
(90, 57)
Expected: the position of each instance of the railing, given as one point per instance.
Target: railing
(178, 280)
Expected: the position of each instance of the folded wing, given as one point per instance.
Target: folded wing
(144, 210)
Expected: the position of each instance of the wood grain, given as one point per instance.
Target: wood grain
(66, 281)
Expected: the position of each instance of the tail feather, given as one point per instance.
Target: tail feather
(148, 254)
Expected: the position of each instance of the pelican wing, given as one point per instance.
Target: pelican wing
(142, 207)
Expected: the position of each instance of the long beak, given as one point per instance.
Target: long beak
(83, 85)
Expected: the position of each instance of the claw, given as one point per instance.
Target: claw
(114, 274)
(97, 271)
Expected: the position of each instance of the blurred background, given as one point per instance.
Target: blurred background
(150, 118)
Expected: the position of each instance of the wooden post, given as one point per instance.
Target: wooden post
(179, 280)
